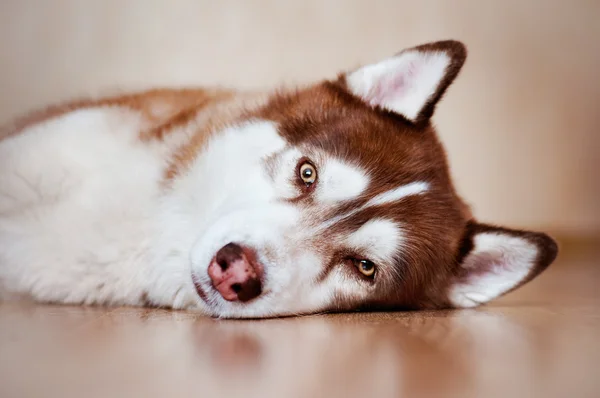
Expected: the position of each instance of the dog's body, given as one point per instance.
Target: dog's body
(334, 197)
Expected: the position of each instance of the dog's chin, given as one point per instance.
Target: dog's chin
(217, 307)
(209, 297)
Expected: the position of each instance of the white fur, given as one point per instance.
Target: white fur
(396, 194)
(511, 257)
(73, 227)
(379, 239)
(402, 84)
(232, 202)
(84, 218)
(340, 181)
(240, 201)
(283, 168)
(343, 283)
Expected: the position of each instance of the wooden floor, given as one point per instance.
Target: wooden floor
(542, 341)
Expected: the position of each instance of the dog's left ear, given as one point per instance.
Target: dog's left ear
(412, 82)
(493, 261)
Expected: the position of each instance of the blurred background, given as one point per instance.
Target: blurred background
(520, 123)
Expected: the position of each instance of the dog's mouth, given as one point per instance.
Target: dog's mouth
(200, 290)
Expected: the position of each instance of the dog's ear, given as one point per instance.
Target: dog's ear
(493, 261)
(410, 83)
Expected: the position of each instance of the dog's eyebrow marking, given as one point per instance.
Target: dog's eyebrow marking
(394, 195)
(380, 237)
(340, 181)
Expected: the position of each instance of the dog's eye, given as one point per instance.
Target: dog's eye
(366, 267)
(308, 173)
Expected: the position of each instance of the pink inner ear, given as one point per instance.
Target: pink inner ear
(392, 86)
(497, 262)
(484, 263)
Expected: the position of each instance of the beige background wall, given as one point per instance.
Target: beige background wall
(521, 123)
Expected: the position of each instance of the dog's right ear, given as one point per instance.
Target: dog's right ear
(411, 83)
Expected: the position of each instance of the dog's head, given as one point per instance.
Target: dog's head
(338, 197)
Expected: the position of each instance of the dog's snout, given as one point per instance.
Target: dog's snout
(235, 273)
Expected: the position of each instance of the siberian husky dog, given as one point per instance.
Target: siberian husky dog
(332, 197)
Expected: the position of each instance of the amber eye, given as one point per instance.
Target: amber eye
(308, 173)
(366, 267)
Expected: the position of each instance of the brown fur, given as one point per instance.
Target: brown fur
(219, 113)
(439, 226)
(347, 128)
(205, 110)
(174, 102)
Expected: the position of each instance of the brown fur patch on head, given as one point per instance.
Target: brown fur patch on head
(393, 152)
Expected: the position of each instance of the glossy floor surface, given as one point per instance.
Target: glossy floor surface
(542, 341)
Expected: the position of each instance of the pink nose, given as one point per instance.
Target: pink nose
(235, 273)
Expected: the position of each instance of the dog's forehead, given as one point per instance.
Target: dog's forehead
(390, 149)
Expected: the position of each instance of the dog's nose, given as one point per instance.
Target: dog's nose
(235, 273)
